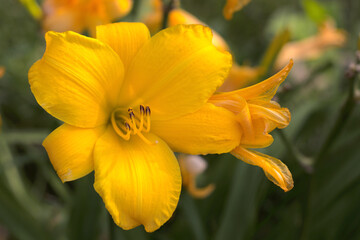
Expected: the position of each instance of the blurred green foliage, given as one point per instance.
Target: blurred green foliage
(324, 203)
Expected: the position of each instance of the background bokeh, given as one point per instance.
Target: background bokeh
(324, 203)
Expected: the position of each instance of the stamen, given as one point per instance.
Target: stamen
(116, 128)
(142, 111)
(147, 140)
(147, 113)
(133, 124)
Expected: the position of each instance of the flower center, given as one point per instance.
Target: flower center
(130, 122)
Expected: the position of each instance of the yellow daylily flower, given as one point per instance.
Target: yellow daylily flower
(312, 47)
(79, 15)
(192, 166)
(120, 96)
(232, 6)
(258, 115)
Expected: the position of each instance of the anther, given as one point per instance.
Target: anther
(142, 109)
(127, 126)
(148, 111)
(132, 115)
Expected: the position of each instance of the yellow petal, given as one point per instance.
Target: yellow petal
(70, 150)
(125, 38)
(272, 113)
(258, 137)
(77, 80)
(139, 183)
(274, 169)
(180, 16)
(175, 72)
(233, 6)
(264, 90)
(209, 130)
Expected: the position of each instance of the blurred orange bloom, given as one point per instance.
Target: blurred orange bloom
(78, 15)
(233, 6)
(2, 71)
(192, 166)
(312, 47)
(240, 76)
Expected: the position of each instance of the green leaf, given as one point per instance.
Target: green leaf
(239, 213)
(85, 219)
(192, 216)
(17, 220)
(315, 11)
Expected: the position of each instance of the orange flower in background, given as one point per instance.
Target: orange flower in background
(2, 71)
(232, 6)
(192, 166)
(80, 15)
(328, 36)
(240, 76)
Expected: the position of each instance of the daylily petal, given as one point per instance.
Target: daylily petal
(270, 112)
(264, 90)
(70, 150)
(125, 38)
(258, 137)
(182, 76)
(77, 80)
(139, 183)
(209, 130)
(274, 169)
(180, 16)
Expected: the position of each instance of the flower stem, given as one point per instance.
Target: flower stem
(33, 8)
(343, 116)
(344, 113)
(166, 10)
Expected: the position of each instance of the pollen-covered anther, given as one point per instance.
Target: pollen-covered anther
(132, 123)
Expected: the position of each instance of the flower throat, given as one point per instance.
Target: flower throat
(127, 123)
